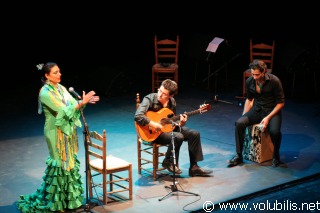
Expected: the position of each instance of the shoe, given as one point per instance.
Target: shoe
(275, 162)
(236, 160)
(169, 166)
(198, 171)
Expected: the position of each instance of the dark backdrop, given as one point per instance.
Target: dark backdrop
(109, 48)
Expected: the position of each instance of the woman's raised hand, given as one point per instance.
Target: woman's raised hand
(90, 97)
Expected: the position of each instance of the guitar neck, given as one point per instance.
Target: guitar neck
(195, 112)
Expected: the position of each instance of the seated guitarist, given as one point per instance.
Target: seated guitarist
(164, 99)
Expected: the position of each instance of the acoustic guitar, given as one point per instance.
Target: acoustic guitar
(167, 119)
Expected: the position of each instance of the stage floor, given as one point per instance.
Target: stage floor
(23, 153)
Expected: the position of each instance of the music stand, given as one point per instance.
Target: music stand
(212, 48)
(173, 186)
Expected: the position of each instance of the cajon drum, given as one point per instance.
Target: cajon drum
(257, 145)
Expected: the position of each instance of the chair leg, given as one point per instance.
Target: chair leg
(244, 84)
(104, 188)
(139, 155)
(155, 160)
(176, 77)
(130, 181)
(153, 79)
(111, 182)
(157, 79)
(89, 183)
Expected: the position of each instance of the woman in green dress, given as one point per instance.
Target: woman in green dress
(62, 185)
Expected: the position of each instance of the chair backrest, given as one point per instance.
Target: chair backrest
(264, 52)
(137, 100)
(97, 147)
(261, 51)
(166, 50)
(137, 105)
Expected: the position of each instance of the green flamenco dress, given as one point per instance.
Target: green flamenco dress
(62, 185)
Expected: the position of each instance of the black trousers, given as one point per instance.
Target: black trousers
(179, 135)
(254, 117)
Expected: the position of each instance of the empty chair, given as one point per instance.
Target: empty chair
(110, 174)
(166, 61)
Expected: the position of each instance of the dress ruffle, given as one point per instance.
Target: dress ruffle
(59, 190)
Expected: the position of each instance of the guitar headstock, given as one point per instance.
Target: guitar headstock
(204, 108)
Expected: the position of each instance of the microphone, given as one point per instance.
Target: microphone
(74, 93)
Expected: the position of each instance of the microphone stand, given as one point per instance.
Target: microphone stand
(87, 140)
(173, 186)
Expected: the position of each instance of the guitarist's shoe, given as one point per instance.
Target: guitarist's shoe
(198, 171)
(169, 166)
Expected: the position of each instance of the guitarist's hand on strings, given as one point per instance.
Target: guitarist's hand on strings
(156, 125)
(183, 119)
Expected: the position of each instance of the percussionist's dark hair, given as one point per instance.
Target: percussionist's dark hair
(258, 64)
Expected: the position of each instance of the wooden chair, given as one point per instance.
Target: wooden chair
(106, 170)
(261, 51)
(150, 154)
(166, 61)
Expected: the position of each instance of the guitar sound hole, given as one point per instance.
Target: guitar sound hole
(170, 115)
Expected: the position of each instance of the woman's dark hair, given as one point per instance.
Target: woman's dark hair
(258, 64)
(46, 69)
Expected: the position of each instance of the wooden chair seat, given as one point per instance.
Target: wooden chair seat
(113, 163)
(170, 67)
